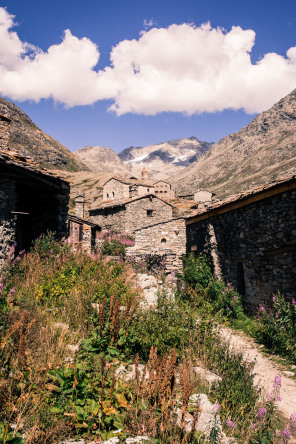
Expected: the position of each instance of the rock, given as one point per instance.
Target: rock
(207, 375)
(137, 439)
(287, 373)
(123, 372)
(150, 289)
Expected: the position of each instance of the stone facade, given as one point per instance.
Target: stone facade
(32, 201)
(252, 241)
(164, 239)
(129, 215)
(163, 189)
(120, 188)
(4, 132)
(82, 233)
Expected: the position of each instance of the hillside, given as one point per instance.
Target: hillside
(101, 159)
(257, 154)
(164, 158)
(31, 141)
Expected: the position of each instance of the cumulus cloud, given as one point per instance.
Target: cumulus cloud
(182, 68)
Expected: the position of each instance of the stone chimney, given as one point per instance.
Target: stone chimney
(4, 132)
(144, 174)
(79, 205)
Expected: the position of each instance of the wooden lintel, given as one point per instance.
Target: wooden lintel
(276, 251)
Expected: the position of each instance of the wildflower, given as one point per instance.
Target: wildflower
(230, 424)
(287, 435)
(217, 407)
(276, 315)
(172, 273)
(227, 308)
(228, 284)
(223, 292)
(293, 422)
(253, 426)
(57, 257)
(40, 237)
(261, 308)
(1, 287)
(182, 288)
(12, 291)
(51, 251)
(10, 375)
(3, 370)
(277, 381)
(273, 298)
(293, 302)
(258, 317)
(261, 413)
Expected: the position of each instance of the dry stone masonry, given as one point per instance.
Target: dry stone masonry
(252, 240)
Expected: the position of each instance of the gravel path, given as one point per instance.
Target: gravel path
(265, 370)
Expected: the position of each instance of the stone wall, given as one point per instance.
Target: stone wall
(142, 190)
(7, 219)
(115, 190)
(162, 239)
(164, 190)
(132, 215)
(253, 246)
(4, 132)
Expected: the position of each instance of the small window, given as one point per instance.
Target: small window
(113, 194)
(148, 190)
(163, 240)
(149, 213)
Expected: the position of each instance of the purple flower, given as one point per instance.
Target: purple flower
(261, 308)
(293, 302)
(217, 407)
(276, 315)
(12, 291)
(40, 237)
(261, 413)
(227, 308)
(293, 422)
(277, 381)
(287, 434)
(253, 426)
(229, 423)
(10, 375)
(182, 288)
(273, 298)
(51, 251)
(57, 257)
(1, 287)
(3, 370)
(228, 284)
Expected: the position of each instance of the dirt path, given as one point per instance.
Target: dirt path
(265, 370)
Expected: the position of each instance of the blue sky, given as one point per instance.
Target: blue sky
(201, 86)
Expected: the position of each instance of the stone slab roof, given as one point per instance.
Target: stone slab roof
(160, 223)
(122, 202)
(247, 197)
(81, 221)
(130, 181)
(16, 160)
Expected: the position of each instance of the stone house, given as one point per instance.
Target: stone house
(82, 232)
(129, 214)
(163, 239)
(32, 199)
(163, 189)
(251, 238)
(118, 188)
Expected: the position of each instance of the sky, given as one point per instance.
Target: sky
(120, 73)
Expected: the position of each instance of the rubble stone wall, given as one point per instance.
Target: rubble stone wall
(166, 239)
(4, 133)
(132, 215)
(7, 220)
(115, 190)
(254, 247)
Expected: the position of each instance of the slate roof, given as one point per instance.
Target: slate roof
(130, 181)
(14, 159)
(274, 187)
(74, 218)
(122, 202)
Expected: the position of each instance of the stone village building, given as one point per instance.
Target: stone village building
(82, 232)
(118, 188)
(251, 238)
(127, 215)
(32, 199)
(164, 190)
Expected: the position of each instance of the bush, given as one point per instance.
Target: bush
(204, 289)
(277, 326)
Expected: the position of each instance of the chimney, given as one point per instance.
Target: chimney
(4, 132)
(144, 174)
(79, 205)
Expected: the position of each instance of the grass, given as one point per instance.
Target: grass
(69, 321)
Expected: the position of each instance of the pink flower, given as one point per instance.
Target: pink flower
(217, 407)
(261, 413)
(261, 308)
(273, 298)
(293, 302)
(276, 315)
(230, 424)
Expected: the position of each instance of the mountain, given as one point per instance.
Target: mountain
(164, 158)
(257, 154)
(31, 141)
(101, 159)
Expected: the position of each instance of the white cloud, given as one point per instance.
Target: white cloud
(148, 23)
(182, 68)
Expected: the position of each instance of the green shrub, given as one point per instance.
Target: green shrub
(276, 326)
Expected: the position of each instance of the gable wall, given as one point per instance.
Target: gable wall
(120, 190)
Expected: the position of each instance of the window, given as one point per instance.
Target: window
(148, 190)
(163, 240)
(150, 213)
